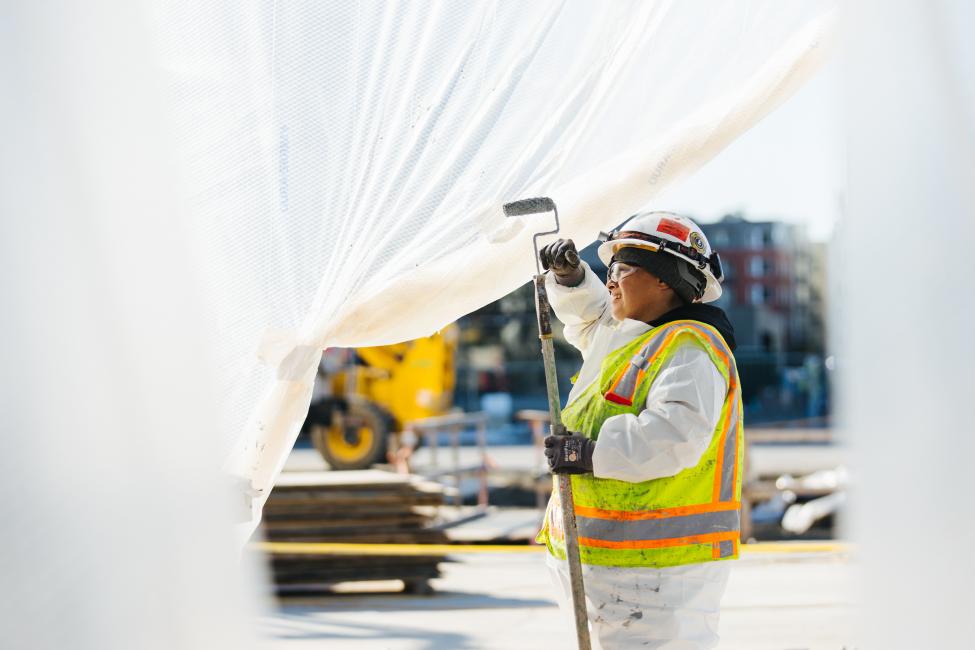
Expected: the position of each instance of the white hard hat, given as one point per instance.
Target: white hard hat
(670, 233)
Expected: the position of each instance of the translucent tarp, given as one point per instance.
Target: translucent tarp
(282, 177)
(346, 161)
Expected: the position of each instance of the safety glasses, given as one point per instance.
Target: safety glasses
(619, 270)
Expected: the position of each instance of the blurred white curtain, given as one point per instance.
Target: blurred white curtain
(907, 314)
(345, 162)
(117, 532)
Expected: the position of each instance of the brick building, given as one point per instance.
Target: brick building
(773, 288)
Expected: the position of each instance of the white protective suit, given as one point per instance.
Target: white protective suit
(671, 608)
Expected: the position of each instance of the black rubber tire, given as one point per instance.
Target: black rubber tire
(418, 587)
(361, 444)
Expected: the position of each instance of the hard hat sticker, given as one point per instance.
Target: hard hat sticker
(673, 228)
(697, 242)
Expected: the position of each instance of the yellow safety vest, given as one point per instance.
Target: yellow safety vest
(691, 517)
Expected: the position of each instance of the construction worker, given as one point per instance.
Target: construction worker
(656, 435)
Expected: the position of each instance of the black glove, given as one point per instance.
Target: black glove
(561, 258)
(570, 454)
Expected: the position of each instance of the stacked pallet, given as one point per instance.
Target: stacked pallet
(369, 507)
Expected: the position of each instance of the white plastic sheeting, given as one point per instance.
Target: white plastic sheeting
(199, 196)
(346, 161)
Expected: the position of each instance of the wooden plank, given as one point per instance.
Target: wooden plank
(352, 477)
(419, 536)
(368, 506)
(359, 479)
(328, 511)
(338, 525)
(349, 518)
(275, 502)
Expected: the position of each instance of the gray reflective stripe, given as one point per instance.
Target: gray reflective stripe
(729, 460)
(726, 549)
(653, 346)
(627, 386)
(612, 530)
(639, 361)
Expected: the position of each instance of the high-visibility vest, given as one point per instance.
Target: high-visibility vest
(691, 517)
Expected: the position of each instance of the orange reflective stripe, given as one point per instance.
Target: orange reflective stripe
(734, 467)
(716, 550)
(719, 462)
(663, 513)
(732, 386)
(661, 543)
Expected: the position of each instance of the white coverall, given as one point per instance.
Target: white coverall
(674, 608)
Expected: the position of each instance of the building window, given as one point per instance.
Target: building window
(756, 294)
(755, 237)
(756, 266)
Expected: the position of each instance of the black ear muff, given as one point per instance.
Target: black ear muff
(693, 278)
(715, 261)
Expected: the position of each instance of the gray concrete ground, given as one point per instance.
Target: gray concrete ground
(774, 602)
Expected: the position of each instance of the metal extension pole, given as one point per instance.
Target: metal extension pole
(565, 481)
(544, 311)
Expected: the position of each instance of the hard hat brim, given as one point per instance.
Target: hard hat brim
(607, 249)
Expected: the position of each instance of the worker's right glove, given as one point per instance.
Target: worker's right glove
(562, 259)
(570, 454)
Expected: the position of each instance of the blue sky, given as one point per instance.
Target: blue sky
(788, 167)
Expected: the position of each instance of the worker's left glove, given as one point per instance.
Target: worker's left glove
(562, 259)
(570, 454)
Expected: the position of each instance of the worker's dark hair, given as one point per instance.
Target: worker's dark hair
(680, 275)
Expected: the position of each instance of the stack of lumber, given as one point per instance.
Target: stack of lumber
(367, 507)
